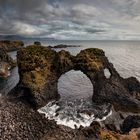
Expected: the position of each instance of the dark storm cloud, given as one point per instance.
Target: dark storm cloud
(68, 19)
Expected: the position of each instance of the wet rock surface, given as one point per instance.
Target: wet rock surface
(39, 70)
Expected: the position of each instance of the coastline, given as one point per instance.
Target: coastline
(26, 94)
(38, 82)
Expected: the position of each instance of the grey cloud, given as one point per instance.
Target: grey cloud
(60, 18)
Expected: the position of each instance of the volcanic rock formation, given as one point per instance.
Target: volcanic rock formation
(39, 71)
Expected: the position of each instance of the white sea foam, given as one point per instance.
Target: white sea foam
(75, 107)
(68, 116)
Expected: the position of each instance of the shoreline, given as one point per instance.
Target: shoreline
(38, 86)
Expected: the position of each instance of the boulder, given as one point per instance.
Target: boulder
(130, 122)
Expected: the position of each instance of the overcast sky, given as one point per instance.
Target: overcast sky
(71, 19)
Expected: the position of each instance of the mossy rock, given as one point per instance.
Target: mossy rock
(40, 68)
(91, 59)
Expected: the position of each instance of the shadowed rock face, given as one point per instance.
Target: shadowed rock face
(40, 69)
(130, 122)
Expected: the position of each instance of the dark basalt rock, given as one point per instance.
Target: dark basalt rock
(8, 45)
(132, 84)
(64, 46)
(37, 43)
(130, 122)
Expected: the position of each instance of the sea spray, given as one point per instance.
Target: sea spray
(73, 115)
(75, 107)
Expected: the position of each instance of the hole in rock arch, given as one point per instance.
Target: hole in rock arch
(74, 85)
(75, 107)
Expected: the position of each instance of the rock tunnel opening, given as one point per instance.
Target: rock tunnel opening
(74, 85)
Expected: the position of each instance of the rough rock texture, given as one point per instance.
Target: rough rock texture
(18, 121)
(37, 72)
(40, 69)
(8, 45)
(6, 62)
(111, 135)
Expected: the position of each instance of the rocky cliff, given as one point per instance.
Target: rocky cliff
(39, 70)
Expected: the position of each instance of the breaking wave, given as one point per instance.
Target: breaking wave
(75, 108)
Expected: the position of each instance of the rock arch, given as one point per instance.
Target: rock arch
(40, 68)
(74, 85)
